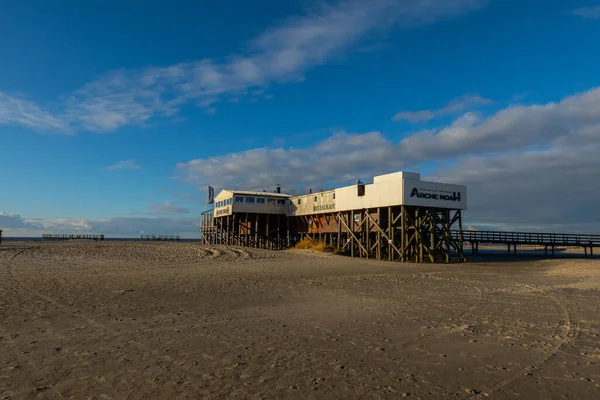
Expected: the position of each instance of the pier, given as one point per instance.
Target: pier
(49, 236)
(548, 241)
(161, 238)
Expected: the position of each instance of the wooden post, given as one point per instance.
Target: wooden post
(278, 232)
(379, 234)
(404, 232)
(433, 233)
(390, 234)
(339, 232)
(246, 232)
(351, 226)
(367, 232)
(418, 221)
(460, 229)
(287, 231)
(269, 242)
(256, 229)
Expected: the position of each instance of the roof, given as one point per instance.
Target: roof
(249, 193)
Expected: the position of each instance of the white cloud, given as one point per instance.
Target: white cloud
(280, 54)
(124, 165)
(526, 167)
(466, 102)
(15, 225)
(167, 208)
(15, 110)
(340, 157)
(587, 12)
(16, 221)
(210, 111)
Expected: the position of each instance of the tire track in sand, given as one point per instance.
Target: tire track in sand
(567, 331)
(161, 360)
(32, 373)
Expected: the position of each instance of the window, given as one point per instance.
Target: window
(299, 201)
(251, 200)
(280, 202)
(270, 201)
(229, 201)
(315, 199)
(334, 196)
(239, 199)
(260, 200)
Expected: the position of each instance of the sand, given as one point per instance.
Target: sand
(182, 320)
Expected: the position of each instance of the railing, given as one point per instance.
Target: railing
(555, 239)
(161, 238)
(49, 236)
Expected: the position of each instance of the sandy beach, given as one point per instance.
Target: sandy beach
(107, 320)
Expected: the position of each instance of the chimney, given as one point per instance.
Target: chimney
(278, 189)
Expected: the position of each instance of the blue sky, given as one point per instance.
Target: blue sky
(115, 115)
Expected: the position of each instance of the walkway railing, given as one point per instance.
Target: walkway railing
(161, 238)
(48, 236)
(544, 239)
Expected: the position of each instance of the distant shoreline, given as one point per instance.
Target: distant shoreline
(39, 239)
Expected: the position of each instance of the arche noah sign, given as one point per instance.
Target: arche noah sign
(455, 196)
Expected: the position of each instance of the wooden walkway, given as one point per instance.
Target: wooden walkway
(49, 236)
(549, 241)
(161, 238)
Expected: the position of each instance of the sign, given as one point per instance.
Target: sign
(433, 194)
(455, 196)
(324, 207)
(222, 211)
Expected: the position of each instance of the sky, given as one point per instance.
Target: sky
(115, 116)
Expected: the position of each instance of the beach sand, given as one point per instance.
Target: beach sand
(108, 320)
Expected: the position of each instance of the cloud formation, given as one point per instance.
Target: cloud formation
(130, 227)
(280, 54)
(124, 165)
(523, 165)
(466, 102)
(528, 168)
(587, 12)
(15, 110)
(16, 221)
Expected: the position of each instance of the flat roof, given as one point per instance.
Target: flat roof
(249, 193)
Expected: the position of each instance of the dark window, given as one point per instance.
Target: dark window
(260, 200)
(270, 201)
(239, 199)
(280, 202)
(361, 189)
(334, 196)
(299, 201)
(315, 199)
(251, 200)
